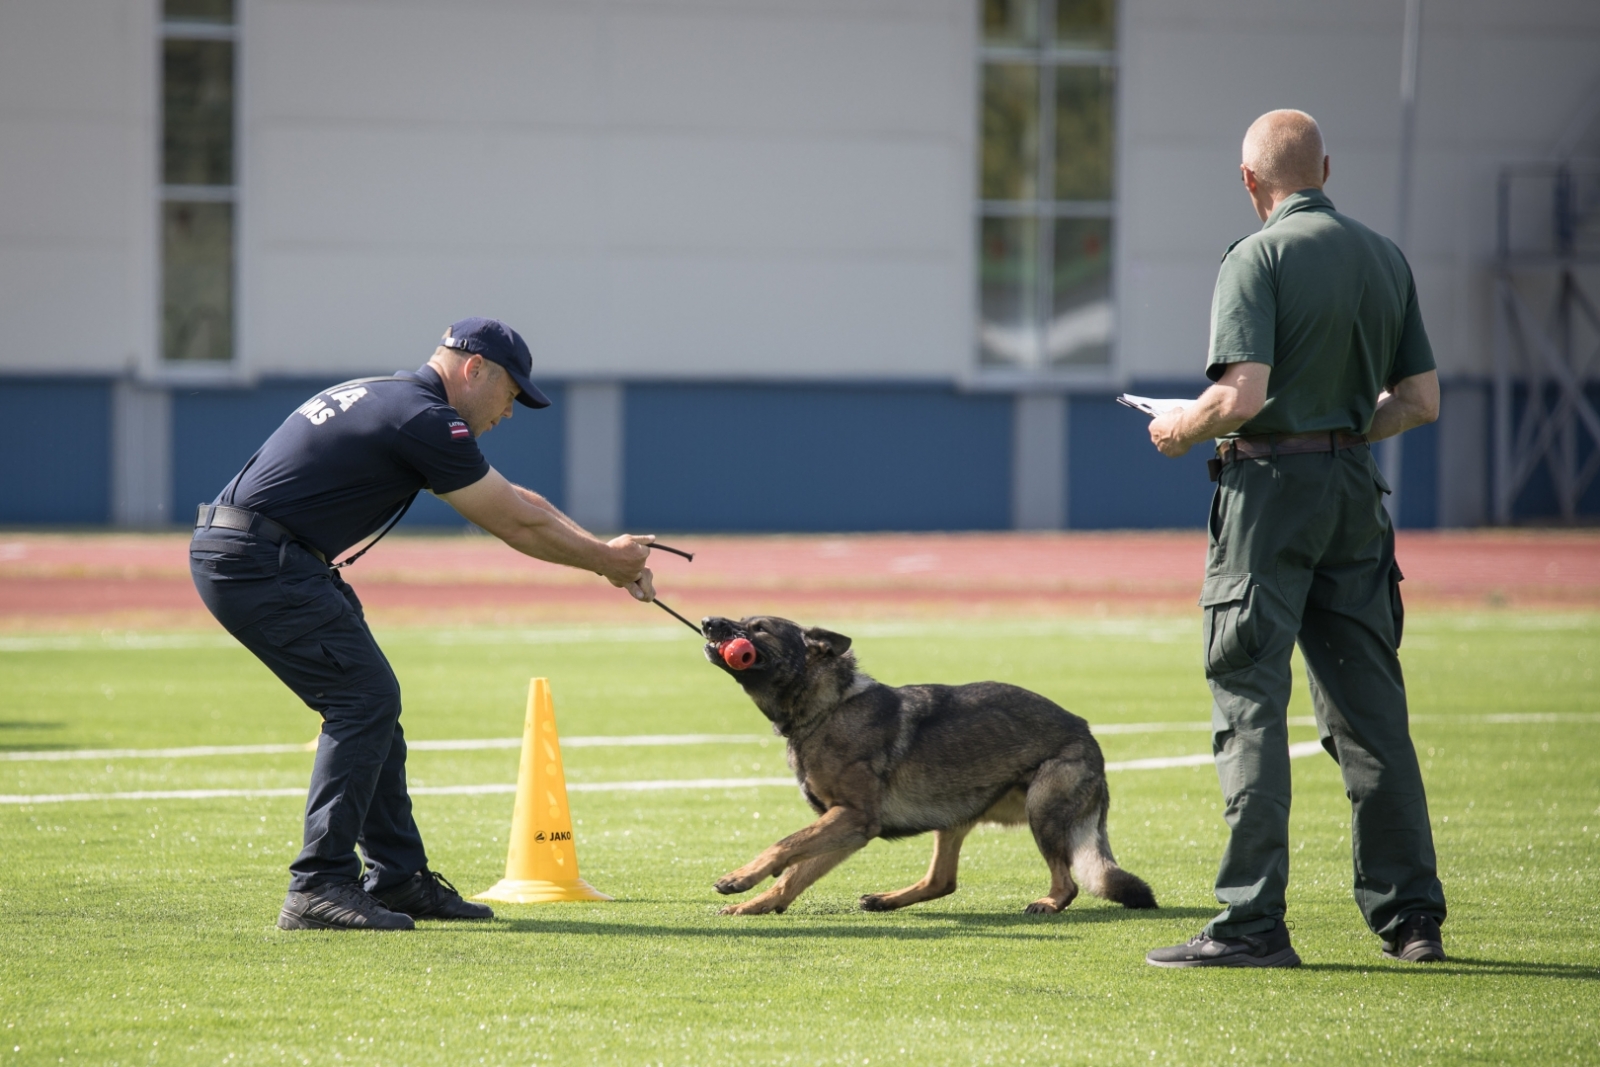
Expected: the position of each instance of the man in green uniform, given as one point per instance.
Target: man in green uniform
(1317, 348)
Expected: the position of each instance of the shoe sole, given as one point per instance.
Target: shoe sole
(288, 921)
(1419, 952)
(1285, 958)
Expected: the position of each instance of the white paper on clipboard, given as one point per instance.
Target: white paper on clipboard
(1151, 407)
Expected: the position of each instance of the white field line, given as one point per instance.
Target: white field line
(470, 744)
(1296, 751)
(473, 744)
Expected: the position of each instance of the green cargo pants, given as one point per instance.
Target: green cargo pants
(1301, 548)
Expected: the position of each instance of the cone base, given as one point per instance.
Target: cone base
(539, 891)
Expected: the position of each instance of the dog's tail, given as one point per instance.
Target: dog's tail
(1097, 868)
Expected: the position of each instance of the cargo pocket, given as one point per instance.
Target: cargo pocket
(309, 600)
(1226, 599)
(1396, 608)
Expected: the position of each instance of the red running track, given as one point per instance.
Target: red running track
(118, 580)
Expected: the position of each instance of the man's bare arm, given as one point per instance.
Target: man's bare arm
(1413, 401)
(535, 527)
(1234, 400)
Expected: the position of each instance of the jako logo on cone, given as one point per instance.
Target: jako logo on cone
(542, 863)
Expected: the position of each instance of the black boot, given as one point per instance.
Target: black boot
(1270, 948)
(427, 895)
(338, 907)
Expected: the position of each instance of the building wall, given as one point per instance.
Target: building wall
(1497, 83)
(77, 185)
(752, 216)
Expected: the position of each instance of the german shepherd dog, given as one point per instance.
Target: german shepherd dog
(876, 761)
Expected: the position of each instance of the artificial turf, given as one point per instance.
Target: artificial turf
(142, 931)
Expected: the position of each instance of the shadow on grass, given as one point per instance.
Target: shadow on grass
(927, 927)
(1467, 965)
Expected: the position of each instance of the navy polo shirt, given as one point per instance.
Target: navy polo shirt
(348, 458)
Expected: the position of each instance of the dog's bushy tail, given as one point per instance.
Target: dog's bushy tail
(1097, 868)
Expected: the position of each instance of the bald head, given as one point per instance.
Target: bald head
(1284, 149)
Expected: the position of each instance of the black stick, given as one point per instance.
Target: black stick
(680, 618)
(675, 551)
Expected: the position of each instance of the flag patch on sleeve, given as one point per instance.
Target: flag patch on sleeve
(459, 430)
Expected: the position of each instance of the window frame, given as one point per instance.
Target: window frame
(1047, 57)
(201, 370)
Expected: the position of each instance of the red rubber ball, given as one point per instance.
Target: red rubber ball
(739, 653)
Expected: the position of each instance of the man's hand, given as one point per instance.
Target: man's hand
(628, 570)
(1166, 435)
(1234, 400)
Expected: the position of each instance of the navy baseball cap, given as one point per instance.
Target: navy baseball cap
(498, 343)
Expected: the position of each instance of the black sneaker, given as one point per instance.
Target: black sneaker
(428, 895)
(339, 907)
(1268, 949)
(1415, 940)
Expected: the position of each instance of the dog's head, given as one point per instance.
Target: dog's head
(786, 669)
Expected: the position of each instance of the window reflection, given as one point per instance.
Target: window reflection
(1009, 290)
(1083, 132)
(197, 112)
(1080, 327)
(217, 12)
(1086, 24)
(1010, 131)
(1010, 22)
(197, 281)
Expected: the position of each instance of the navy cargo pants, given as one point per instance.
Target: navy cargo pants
(1302, 549)
(301, 619)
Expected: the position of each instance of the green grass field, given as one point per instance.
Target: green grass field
(141, 931)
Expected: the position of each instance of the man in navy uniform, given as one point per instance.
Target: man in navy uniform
(341, 468)
(1317, 348)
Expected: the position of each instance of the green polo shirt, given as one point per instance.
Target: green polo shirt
(1329, 305)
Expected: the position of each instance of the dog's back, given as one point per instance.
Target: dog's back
(958, 750)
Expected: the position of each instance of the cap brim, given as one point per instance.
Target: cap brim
(530, 395)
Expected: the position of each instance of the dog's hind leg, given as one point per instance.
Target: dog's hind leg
(1067, 805)
(940, 881)
(1061, 794)
(790, 884)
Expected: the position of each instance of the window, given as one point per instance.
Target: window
(1045, 183)
(198, 191)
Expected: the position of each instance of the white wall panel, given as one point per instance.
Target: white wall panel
(796, 318)
(385, 309)
(838, 196)
(639, 188)
(77, 174)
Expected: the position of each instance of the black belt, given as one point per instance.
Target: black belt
(228, 517)
(1271, 446)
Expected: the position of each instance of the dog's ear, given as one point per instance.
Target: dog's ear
(826, 642)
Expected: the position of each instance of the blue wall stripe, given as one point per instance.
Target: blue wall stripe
(1419, 478)
(816, 458)
(1117, 479)
(55, 450)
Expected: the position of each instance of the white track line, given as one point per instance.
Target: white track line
(1296, 751)
(653, 740)
(470, 744)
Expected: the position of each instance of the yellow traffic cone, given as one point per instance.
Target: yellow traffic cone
(542, 863)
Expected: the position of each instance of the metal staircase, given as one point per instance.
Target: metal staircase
(1547, 325)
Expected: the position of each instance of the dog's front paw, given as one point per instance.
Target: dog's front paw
(751, 907)
(877, 902)
(734, 883)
